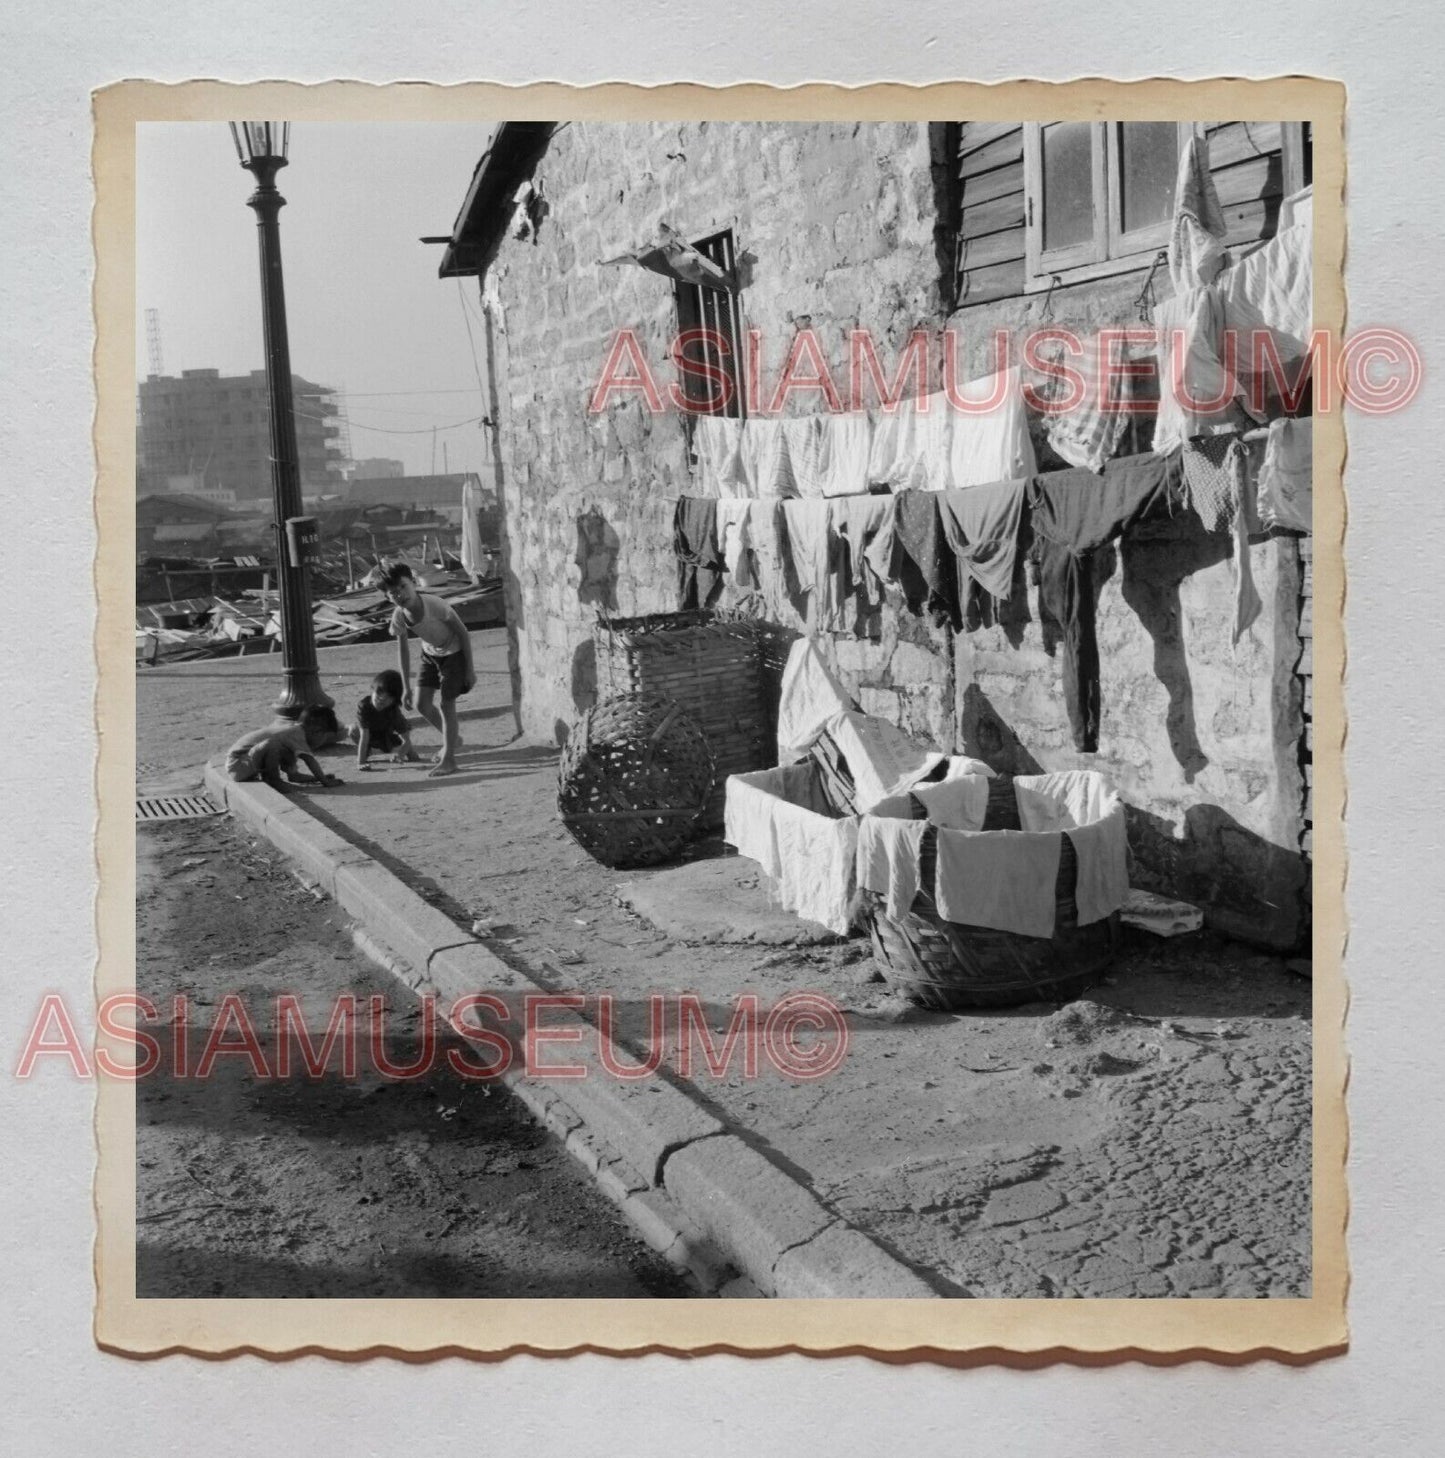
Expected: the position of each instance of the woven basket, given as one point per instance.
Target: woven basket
(635, 775)
(947, 965)
(707, 663)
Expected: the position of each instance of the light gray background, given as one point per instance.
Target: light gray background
(1384, 1398)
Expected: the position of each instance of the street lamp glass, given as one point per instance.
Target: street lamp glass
(261, 140)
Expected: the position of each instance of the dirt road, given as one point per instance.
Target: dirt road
(368, 1186)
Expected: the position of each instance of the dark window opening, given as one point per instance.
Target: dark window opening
(709, 334)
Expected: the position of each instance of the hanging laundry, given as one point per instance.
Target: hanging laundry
(1269, 295)
(1088, 434)
(810, 696)
(882, 760)
(1083, 805)
(981, 526)
(923, 565)
(959, 803)
(888, 852)
(768, 538)
(1196, 234)
(735, 540)
(1004, 879)
(910, 444)
(995, 445)
(763, 450)
(700, 564)
(857, 521)
(828, 454)
(717, 444)
(817, 558)
(1219, 471)
(1285, 487)
(1196, 395)
(1074, 513)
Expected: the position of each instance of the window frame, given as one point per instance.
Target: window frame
(1109, 250)
(698, 307)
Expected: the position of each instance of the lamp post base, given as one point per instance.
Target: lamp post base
(302, 690)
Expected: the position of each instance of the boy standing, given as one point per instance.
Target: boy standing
(446, 658)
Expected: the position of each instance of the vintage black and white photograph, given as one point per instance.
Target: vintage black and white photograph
(725, 709)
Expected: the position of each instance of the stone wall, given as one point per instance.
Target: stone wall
(838, 221)
(836, 226)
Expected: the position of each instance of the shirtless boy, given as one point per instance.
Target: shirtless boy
(446, 659)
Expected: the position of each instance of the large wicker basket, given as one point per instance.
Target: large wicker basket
(948, 965)
(709, 664)
(635, 776)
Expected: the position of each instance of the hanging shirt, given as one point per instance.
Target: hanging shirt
(994, 445)
(813, 551)
(856, 522)
(923, 564)
(1075, 513)
(1219, 471)
(700, 564)
(981, 526)
(1196, 396)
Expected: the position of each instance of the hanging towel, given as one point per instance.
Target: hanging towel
(1285, 486)
(1074, 513)
(1086, 808)
(1088, 433)
(732, 528)
(1196, 235)
(910, 444)
(882, 760)
(1003, 879)
(856, 523)
(1271, 293)
(801, 435)
(994, 445)
(763, 449)
(888, 851)
(981, 528)
(810, 696)
(1196, 396)
(829, 454)
(717, 444)
(700, 565)
(958, 803)
(923, 565)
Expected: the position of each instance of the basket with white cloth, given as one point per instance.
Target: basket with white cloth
(1013, 898)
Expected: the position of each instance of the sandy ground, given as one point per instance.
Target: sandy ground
(334, 1186)
(1151, 1140)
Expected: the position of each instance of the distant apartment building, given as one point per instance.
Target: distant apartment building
(377, 468)
(209, 435)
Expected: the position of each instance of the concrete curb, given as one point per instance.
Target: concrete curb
(694, 1190)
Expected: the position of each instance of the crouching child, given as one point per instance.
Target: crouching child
(271, 754)
(381, 726)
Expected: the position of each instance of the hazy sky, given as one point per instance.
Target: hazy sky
(365, 306)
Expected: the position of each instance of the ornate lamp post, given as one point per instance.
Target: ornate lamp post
(262, 148)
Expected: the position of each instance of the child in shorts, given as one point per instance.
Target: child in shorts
(446, 659)
(380, 723)
(271, 753)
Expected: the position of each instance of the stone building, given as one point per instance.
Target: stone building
(895, 228)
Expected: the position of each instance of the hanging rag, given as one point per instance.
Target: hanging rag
(959, 803)
(1196, 234)
(810, 696)
(732, 529)
(857, 521)
(763, 450)
(828, 454)
(888, 852)
(910, 444)
(1196, 393)
(1285, 486)
(883, 550)
(717, 444)
(768, 538)
(1220, 471)
(473, 553)
(700, 564)
(922, 564)
(882, 760)
(801, 435)
(1269, 296)
(1003, 879)
(1074, 513)
(1083, 805)
(818, 559)
(981, 527)
(1088, 434)
(993, 445)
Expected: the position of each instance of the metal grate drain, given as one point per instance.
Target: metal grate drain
(174, 807)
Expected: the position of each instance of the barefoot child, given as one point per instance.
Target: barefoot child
(380, 723)
(446, 658)
(268, 754)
